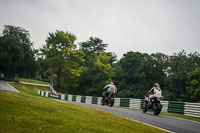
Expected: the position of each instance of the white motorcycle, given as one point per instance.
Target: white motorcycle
(153, 104)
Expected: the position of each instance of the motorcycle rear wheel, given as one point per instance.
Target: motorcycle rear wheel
(144, 109)
(102, 102)
(156, 109)
(111, 102)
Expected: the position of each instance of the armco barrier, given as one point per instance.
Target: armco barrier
(186, 108)
(94, 100)
(66, 97)
(74, 98)
(70, 98)
(192, 109)
(117, 102)
(83, 99)
(135, 103)
(78, 98)
(176, 107)
(124, 102)
(88, 100)
(165, 106)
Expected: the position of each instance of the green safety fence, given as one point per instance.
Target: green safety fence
(176, 107)
(66, 97)
(124, 102)
(142, 103)
(74, 98)
(59, 96)
(83, 99)
(94, 100)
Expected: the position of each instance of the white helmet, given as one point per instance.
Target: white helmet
(156, 85)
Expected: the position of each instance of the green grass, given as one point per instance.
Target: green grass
(28, 112)
(29, 90)
(34, 81)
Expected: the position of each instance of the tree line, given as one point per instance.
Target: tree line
(85, 68)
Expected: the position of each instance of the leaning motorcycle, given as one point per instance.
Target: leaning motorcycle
(108, 100)
(153, 104)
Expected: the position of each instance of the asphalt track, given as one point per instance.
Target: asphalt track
(5, 86)
(171, 124)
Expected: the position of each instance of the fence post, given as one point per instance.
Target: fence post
(39, 92)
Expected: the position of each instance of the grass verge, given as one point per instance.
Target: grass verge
(27, 112)
(34, 81)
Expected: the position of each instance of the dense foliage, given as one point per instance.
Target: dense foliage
(86, 69)
(16, 53)
(138, 72)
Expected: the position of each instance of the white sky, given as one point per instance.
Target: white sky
(147, 26)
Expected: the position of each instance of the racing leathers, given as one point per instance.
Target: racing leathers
(109, 90)
(154, 92)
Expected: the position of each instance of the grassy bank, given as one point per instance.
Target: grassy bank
(28, 112)
(29, 90)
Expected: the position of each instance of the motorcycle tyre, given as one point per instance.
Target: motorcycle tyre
(157, 110)
(111, 102)
(102, 102)
(144, 109)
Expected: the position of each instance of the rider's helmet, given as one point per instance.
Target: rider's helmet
(157, 85)
(111, 83)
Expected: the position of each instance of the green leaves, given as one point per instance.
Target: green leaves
(98, 66)
(193, 86)
(16, 52)
(65, 62)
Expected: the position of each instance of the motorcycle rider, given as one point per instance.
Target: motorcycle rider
(109, 90)
(154, 92)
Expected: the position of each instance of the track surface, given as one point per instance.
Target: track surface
(4, 86)
(172, 124)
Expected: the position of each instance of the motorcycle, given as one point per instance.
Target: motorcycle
(108, 100)
(152, 104)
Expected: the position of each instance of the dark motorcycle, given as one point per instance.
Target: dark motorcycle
(108, 100)
(153, 104)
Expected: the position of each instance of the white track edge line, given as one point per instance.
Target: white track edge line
(13, 87)
(150, 125)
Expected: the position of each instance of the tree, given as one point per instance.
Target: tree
(130, 78)
(193, 85)
(98, 66)
(65, 62)
(17, 55)
(93, 46)
(97, 75)
(180, 65)
(137, 72)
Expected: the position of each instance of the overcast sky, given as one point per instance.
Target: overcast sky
(147, 26)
